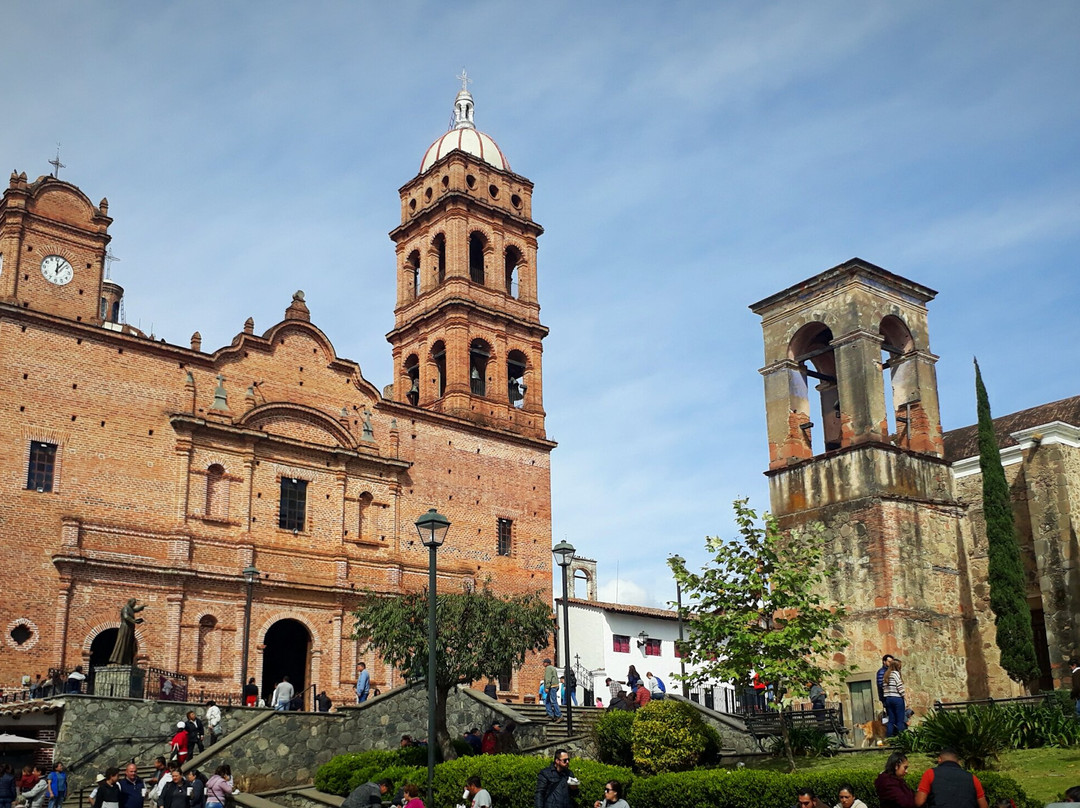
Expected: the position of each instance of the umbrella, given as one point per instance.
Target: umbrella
(8, 741)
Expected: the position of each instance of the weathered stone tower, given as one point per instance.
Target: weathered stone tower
(467, 333)
(869, 464)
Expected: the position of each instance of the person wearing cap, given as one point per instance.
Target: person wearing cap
(179, 743)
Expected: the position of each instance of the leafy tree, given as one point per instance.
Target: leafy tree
(479, 635)
(1008, 595)
(758, 606)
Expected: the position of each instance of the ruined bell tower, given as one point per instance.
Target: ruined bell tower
(855, 443)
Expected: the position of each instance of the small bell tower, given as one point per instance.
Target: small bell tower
(467, 333)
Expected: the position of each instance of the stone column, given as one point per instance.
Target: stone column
(787, 410)
(862, 393)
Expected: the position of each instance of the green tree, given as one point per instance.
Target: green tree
(758, 606)
(1008, 595)
(479, 635)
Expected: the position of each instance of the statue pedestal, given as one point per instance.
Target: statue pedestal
(119, 681)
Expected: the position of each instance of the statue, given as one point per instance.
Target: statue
(123, 652)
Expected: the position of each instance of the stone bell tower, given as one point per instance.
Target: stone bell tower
(467, 333)
(867, 461)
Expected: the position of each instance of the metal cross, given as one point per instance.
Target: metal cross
(56, 164)
(464, 79)
(109, 259)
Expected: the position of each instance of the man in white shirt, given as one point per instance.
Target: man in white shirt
(657, 688)
(479, 796)
(283, 694)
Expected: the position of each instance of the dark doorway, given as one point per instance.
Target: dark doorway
(100, 651)
(287, 653)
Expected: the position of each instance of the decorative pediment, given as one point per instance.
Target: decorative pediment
(298, 422)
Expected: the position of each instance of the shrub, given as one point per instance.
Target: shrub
(978, 734)
(668, 736)
(342, 773)
(805, 742)
(614, 740)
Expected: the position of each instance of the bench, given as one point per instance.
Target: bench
(764, 725)
(959, 706)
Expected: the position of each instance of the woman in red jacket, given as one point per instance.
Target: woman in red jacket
(892, 790)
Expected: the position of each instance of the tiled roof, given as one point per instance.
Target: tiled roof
(964, 442)
(38, 706)
(623, 608)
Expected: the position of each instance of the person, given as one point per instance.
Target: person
(817, 696)
(363, 683)
(108, 792)
(283, 694)
(98, 780)
(479, 796)
(613, 796)
(572, 683)
(882, 671)
(490, 690)
(251, 693)
(894, 699)
(1072, 796)
(562, 693)
(28, 779)
(1075, 692)
(657, 688)
(556, 786)
(891, 787)
(551, 695)
(406, 740)
(7, 786)
(614, 688)
(642, 696)
(213, 721)
(367, 794)
(196, 789)
(179, 744)
(620, 702)
(806, 798)
(57, 785)
(632, 678)
(948, 784)
(323, 702)
(412, 795)
(75, 680)
(161, 773)
(36, 795)
(131, 788)
(505, 741)
(473, 739)
(194, 727)
(490, 741)
(845, 798)
(174, 792)
(219, 787)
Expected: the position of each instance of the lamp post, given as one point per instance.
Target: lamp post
(564, 554)
(251, 575)
(680, 561)
(432, 527)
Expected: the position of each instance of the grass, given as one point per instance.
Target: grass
(1044, 773)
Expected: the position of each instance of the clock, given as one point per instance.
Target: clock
(56, 269)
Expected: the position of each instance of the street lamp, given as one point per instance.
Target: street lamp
(432, 527)
(680, 562)
(251, 575)
(564, 554)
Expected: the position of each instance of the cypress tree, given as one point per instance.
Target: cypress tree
(1008, 591)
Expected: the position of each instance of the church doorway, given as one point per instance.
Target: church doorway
(100, 651)
(287, 653)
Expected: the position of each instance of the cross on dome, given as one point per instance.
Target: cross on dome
(463, 104)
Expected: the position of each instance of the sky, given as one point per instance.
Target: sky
(689, 159)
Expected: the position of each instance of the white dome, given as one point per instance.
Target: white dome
(472, 141)
(465, 137)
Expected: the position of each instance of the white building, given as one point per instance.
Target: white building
(607, 638)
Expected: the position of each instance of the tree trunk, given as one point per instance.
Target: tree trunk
(442, 734)
(785, 734)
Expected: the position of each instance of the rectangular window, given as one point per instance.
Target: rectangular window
(678, 650)
(652, 647)
(39, 472)
(504, 677)
(293, 504)
(506, 532)
(620, 643)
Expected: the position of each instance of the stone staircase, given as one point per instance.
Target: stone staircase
(585, 719)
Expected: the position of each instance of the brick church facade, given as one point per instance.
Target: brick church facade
(855, 442)
(137, 468)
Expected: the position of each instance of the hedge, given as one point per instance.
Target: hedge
(511, 780)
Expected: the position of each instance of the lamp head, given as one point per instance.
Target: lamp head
(251, 575)
(564, 553)
(432, 527)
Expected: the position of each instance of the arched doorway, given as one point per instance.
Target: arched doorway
(287, 652)
(100, 651)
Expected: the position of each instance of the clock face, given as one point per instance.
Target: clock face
(56, 269)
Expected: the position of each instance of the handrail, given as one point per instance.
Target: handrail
(107, 743)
